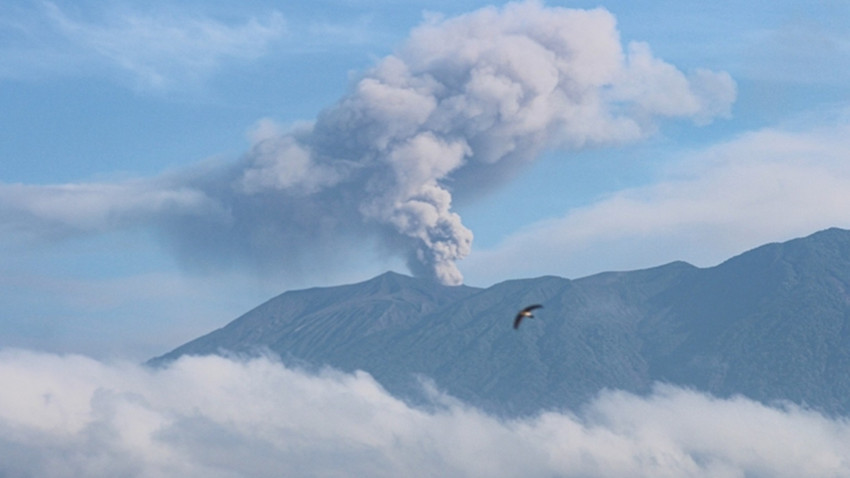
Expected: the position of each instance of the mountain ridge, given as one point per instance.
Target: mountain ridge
(772, 324)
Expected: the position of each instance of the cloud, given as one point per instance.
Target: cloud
(97, 207)
(157, 49)
(461, 105)
(217, 417)
(803, 50)
(759, 187)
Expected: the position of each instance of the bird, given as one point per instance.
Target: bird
(526, 312)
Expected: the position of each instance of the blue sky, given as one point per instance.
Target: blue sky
(165, 167)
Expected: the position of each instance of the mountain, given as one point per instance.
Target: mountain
(771, 324)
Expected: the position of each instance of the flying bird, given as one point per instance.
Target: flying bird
(526, 312)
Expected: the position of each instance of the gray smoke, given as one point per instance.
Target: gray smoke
(461, 106)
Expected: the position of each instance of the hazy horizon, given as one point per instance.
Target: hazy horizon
(170, 167)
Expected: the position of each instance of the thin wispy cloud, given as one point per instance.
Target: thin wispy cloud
(153, 48)
(803, 51)
(216, 417)
(763, 186)
(56, 211)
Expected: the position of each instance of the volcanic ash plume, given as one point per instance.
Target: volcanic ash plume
(463, 104)
(489, 87)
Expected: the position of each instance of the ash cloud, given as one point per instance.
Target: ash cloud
(217, 417)
(457, 110)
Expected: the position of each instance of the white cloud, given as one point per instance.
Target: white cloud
(804, 50)
(156, 48)
(69, 208)
(764, 186)
(217, 417)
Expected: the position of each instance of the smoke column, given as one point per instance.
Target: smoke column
(491, 86)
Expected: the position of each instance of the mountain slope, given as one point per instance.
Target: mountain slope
(319, 323)
(772, 323)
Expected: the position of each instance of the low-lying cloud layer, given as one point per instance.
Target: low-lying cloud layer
(63, 416)
(461, 106)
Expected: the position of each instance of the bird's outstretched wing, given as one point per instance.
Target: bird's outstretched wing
(526, 312)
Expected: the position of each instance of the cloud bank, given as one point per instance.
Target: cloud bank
(216, 417)
(462, 105)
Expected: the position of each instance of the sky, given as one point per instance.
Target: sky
(167, 166)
